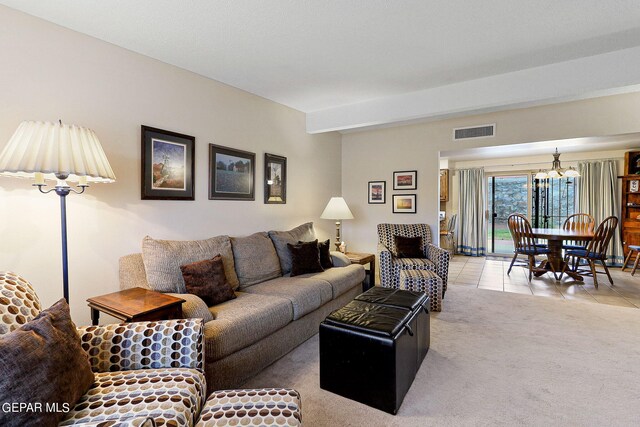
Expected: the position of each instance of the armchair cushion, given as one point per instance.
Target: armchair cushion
(18, 302)
(206, 279)
(43, 363)
(171, 396)
(144, 345)
(408, 247)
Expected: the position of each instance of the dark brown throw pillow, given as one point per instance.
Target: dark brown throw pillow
(408, 247)
(44, 365)
(325, 253)
(207, 280)
(305, 258)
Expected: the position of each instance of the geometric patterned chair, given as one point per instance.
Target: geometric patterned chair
(143, 370)
(435, 259)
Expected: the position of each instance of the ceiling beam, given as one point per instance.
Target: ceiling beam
(599, 75)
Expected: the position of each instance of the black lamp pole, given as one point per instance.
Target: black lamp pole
(63, 190)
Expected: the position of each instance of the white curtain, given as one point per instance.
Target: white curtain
(598, 196)
(471, 235)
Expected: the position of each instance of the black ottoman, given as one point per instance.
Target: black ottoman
(371, 349)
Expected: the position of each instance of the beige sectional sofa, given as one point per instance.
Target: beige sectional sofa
(272, 312)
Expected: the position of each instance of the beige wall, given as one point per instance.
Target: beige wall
(375, 154)
(51, 73)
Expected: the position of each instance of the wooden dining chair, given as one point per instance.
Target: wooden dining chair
(596, 250)
(578, 222)
(525, 244)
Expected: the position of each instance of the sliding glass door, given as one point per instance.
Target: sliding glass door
(507, 194)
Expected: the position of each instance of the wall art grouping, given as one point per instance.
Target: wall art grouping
(168, 170)
(401, 203)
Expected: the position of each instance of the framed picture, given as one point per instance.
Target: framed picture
(405, 180)
(634, 186)
(377, 192)
(404, 203)
(167, 165)
(231, 173)
(275, 179)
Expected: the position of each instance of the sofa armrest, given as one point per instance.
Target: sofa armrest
(386, 257)
(440, 258)
(194, 308)
(339, 259)
(144, 345)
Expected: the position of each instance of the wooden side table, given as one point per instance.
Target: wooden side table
(136, 304)
(364, 259)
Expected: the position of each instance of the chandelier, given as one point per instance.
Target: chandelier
(556, 170)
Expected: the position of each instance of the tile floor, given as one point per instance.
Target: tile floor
(491, 273)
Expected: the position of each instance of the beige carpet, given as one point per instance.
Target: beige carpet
(498, 359)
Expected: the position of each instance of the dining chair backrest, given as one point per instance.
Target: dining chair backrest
(579, 222)
(597, 247)
(522, 234)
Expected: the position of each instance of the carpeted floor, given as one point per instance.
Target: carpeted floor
(498, 359)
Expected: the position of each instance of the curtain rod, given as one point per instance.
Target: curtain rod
(535, 163)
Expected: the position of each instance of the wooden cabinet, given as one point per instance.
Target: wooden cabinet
(630, 206)
(444, 185)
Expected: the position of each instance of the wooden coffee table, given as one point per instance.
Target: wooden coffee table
(136, 304)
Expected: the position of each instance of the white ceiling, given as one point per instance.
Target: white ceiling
(322, 57)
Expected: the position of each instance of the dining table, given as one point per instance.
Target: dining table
(555, 238)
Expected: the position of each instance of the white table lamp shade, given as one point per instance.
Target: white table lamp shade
(55, 148)
(337, 209)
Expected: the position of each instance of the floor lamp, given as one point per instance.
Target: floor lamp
(61, 152)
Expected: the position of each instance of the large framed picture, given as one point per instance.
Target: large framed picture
(275, 179)
(404, 203)
(405, 180)
(377, 192)
(167, 165)
(231, 173)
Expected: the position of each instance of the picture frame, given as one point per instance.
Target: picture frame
(168, 165)
(404, 203)
(634, 186)
(405, 180)
(275, 179)
(231, 173)
(377, 192)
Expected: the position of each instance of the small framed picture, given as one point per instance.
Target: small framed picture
(231, 173)
(377, 192)
(634, 186)
(167, 165)
(405, 180)
(275, 179)
(404, 203)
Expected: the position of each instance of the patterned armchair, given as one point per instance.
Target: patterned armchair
(150, 373)
(436, 259)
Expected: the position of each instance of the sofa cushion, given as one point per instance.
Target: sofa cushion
(43, 363)
(243, 321)
(255, 259)
(207, 280)
(303, 233)
(325, 254)
(305, 258)
(341, 278)
(172, 396)
(305, 294)
(163, 258)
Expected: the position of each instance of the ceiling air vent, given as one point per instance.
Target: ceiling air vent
(484, 131)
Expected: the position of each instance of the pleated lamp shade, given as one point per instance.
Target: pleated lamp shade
(54, 149)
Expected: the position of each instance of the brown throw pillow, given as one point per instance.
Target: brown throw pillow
(44, 364)
(325, 253)
(207, 280)
(408, 247)
(305, 258)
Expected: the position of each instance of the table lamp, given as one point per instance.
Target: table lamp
(338, 210)
(61, 152)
